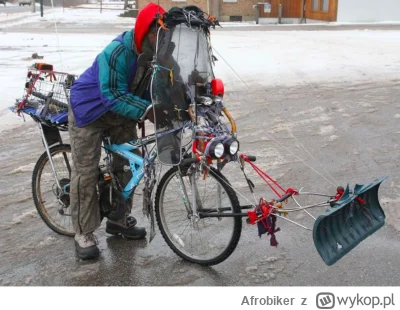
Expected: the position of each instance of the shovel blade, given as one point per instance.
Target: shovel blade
(341, 228)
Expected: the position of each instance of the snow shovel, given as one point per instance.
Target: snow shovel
(354, 217)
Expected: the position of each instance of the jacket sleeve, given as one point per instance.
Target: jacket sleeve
(113, 82)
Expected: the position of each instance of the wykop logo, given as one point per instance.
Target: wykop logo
(325, 301)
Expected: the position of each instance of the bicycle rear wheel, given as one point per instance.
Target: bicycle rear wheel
(51, 203)
(210, 240)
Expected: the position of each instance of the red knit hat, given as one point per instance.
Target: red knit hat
(145, 17)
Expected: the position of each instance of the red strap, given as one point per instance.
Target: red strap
(23, 102)
(252, 217)
(263, 175)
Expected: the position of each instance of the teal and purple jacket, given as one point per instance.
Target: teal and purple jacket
(105, 85)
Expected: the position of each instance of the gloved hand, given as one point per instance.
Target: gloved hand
(150, 116)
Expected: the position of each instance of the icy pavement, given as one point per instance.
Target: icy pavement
(351, 131)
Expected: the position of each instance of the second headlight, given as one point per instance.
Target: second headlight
(232, 146)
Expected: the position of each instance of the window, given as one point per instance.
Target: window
(315, 5)
(325, 5)
(235, 18)
(320, 5)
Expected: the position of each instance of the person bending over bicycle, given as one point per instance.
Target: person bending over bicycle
(107, 98)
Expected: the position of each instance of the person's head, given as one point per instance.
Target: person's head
(152, 33)
(146, 25)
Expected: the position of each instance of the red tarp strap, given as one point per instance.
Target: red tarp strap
(263, 175)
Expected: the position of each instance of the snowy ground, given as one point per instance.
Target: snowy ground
(303, 100)
(258, 58)
(90, 14)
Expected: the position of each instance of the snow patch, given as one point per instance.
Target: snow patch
(84, 14)
(313, 111)
(326, 130)
(272, 259)
(366, 104)
(333, 138)
(46, 242)
(26, 168)
(294, 124)
(251, 269)
(397, 116)
(392, 210)
(239, 24)
(24, 216)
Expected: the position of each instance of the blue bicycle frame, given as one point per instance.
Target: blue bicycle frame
(136, 162)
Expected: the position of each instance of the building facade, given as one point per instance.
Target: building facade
(368, 11)
(224, 10)
(292, 11)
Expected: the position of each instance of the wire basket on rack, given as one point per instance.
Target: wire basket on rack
(46, 95)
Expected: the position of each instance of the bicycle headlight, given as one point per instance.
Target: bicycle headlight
(216, 150)
(232, 146)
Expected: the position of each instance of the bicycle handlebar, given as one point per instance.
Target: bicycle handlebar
(143, 118)
(251, 157)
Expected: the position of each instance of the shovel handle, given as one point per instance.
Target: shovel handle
(284, 197)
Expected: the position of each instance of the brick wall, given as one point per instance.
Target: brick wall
(167, 4)
(242, 8)
(222, 10)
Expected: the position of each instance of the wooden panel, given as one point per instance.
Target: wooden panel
(290, 9)
(274, 9)
(329, 16)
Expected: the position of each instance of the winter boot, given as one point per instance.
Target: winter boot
(131, 221)
(86, 246)
(126, 228)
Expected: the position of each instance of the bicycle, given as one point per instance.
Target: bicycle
(198, 241)
(196, 208)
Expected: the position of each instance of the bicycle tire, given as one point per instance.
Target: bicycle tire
(184, 251)
(40, 202)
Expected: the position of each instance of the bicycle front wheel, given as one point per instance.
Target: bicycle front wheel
(205, 241)
(51, 203)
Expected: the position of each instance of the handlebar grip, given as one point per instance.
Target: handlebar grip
(284, 197)
(251, 157)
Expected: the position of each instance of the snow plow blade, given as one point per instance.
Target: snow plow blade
(354, 217)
